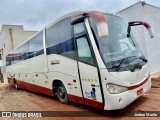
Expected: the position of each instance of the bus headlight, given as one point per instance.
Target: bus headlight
(115, 89)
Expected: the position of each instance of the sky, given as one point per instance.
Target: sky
(36, 14)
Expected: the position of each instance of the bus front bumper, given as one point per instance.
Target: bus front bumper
(121, 100)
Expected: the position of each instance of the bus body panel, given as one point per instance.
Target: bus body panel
(66, 70)
(38, 68)
(38, 64)
(20, 67)
(62, 64)
(90, 85)
(18, 71)
(132, 77)
(121, 100)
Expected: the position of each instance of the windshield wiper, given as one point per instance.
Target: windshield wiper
(143, 58)
(120, 64)
(123, 60)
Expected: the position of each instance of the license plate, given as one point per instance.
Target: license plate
(139, 92)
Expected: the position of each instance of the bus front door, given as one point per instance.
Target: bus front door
(88, 72)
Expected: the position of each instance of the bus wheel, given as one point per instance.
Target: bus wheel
(62, 94)
(15, 85)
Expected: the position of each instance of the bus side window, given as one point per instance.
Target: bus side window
(79, 28)
(59, 39)
(84, 52)
(23, 51)
(36, 45)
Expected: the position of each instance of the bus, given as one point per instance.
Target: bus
(91, 58)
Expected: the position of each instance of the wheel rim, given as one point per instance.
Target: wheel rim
(15, 85)
(61, 92)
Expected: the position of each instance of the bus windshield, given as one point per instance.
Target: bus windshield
(118, 50)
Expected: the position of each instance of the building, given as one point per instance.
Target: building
(11, 36)
(142, 11)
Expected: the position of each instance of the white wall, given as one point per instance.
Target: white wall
(150, 47)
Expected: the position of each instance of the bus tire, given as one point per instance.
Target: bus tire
(62, 94)
(15, 85)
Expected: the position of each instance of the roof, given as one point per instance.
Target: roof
(15, 26)
(140, 2)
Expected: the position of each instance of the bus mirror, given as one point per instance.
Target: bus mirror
(101, 23)
(148, 27)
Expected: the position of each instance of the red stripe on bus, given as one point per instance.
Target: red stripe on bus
(88, 102)
(48, 91)
(32, 87)
(36, 88)
(74, 98)
(93, 103)
(138, 85)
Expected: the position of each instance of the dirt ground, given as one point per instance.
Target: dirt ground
(21, 100)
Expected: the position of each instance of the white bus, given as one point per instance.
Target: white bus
(91, 58)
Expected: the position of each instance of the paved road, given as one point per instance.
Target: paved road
(21, 100)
